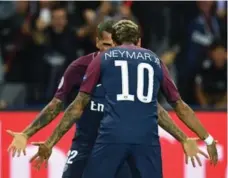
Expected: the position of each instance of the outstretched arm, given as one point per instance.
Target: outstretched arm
(187, 115)
(183, 111)
(72, 113)
(72, 78)
(189, 145)
(75, 109)
(46, 116)
(165, 121)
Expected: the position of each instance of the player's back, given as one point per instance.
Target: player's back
(131, 79)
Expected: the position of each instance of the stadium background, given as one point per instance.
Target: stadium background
(39, 39)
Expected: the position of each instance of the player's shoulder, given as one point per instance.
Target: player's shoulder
(149, 51)
(131, 47)
(80, 64)
(84, 60)
(153, 54)
(118, 48)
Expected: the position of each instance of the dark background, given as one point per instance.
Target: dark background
(39, 39)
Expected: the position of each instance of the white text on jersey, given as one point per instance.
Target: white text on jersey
(131, 55)
(96, 107)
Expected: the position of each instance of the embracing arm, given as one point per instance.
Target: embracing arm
(47, 115)
(166, 122)
(72, 113)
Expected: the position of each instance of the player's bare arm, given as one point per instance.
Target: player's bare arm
(168, 125)
(52, 109)
(183, 111)
(72, 113)
(187, 116)
(46, 116)
(189, 145)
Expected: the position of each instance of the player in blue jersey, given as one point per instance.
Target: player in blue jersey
(88, 125)
(92, 105)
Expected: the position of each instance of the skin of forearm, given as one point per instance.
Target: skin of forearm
(187, 116)
(72, 113)
(46, 116)
(166, 122)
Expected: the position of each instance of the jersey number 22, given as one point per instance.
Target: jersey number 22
(125, 96)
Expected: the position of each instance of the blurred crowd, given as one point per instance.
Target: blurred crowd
(39, 39)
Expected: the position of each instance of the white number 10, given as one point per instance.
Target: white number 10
(125, 96)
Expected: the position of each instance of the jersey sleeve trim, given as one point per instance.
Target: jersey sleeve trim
(72, 78)
(168, 87)
(92, 76)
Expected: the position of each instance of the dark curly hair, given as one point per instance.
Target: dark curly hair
(104, 26)
(125, 31)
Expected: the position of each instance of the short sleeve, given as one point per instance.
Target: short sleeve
(72, 78)
(92, 76)
(168, 87)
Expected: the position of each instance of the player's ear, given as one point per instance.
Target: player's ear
(139, 43)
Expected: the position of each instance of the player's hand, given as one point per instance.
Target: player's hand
(213, 153)
(192, 150)
(42, 156)
(18, 144)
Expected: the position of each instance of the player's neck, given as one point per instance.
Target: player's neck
(128, 44)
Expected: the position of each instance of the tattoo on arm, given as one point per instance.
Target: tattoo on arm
(47, 115)
(187, 116)
(72, 113)
(166, 122)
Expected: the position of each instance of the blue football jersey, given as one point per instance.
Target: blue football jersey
(131, 78)
(89, 123)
